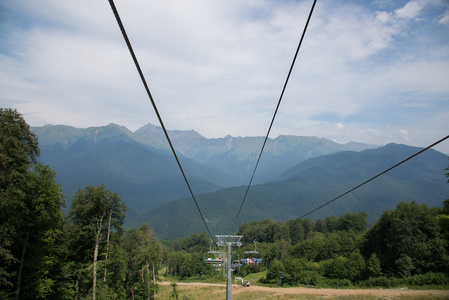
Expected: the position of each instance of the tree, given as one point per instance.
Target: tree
(372, 268)
(443, 218)
(336, 268)
(320, 226)
(443, 221)
(296, 232)
(356, 264)
(309, 226)
(44, 226)
(338, 243)
(147, 258)
(174, 293)
(310, 248)
(144, 254)
(356, 222)
(18, 150)
(94, 211)
(274, 270)
(407, 241)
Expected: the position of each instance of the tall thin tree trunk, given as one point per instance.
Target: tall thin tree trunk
(107, 246)
(76, 289)
(22, 260)
(154, 283)
(97, 244)
(148, 279)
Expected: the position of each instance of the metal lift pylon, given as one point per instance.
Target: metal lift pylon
(229, 240)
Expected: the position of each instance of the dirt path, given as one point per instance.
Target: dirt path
(381, 293)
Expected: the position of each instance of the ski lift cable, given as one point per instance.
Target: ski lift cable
(367, 181)
(275, 112)
(374, 177)
(142, 77)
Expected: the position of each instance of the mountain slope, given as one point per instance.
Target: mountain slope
(311, 184)
(143, 175)
(237, 156)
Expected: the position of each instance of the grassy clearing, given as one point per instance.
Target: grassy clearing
(254, 277)
(219, 293)
(195, 292)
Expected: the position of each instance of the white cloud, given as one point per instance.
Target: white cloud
(444, 20)
(384, 17)
(404, 132)
(218, 67)
(411, 9)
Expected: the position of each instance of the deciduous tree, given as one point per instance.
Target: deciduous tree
(94, 211)
(407, 237)
(18, 150)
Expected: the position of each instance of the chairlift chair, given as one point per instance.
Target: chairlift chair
(253, 256)
(213, 256)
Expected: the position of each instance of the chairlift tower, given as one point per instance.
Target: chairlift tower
(229, 240)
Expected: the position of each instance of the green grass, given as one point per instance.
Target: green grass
(219, 293)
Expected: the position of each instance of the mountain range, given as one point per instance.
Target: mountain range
(311, 184)
(295, 175)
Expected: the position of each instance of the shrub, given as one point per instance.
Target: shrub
(337, 283)
(381, 281)
(309, 278)
(428, 279)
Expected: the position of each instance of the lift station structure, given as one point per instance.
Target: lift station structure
(229, 241)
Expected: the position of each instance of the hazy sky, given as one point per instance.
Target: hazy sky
(368, 71)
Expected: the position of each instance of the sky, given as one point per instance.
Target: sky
(373, 72)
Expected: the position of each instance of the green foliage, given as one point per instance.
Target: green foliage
(356, 222)
(373, 268)
(194, 243)
(143, 255)
(338, 243)
(355, 266)
(95, 212)
(381, 281)
(255, 229)
(308, 277)
(336, 268)
(310, 248)
(273, 272)
(297, 233)
(46, 256)
(407, 241)
(174, 293)
(42, 266)
(428, 279)
(31, 220)
(418, 280)
(18, 151)
(443, 219)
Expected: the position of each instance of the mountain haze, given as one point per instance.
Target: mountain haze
(237, 156)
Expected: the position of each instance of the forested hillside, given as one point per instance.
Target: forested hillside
(309, 185)
(88, 254)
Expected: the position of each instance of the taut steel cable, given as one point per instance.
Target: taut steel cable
(147, 89)
(275, 112)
